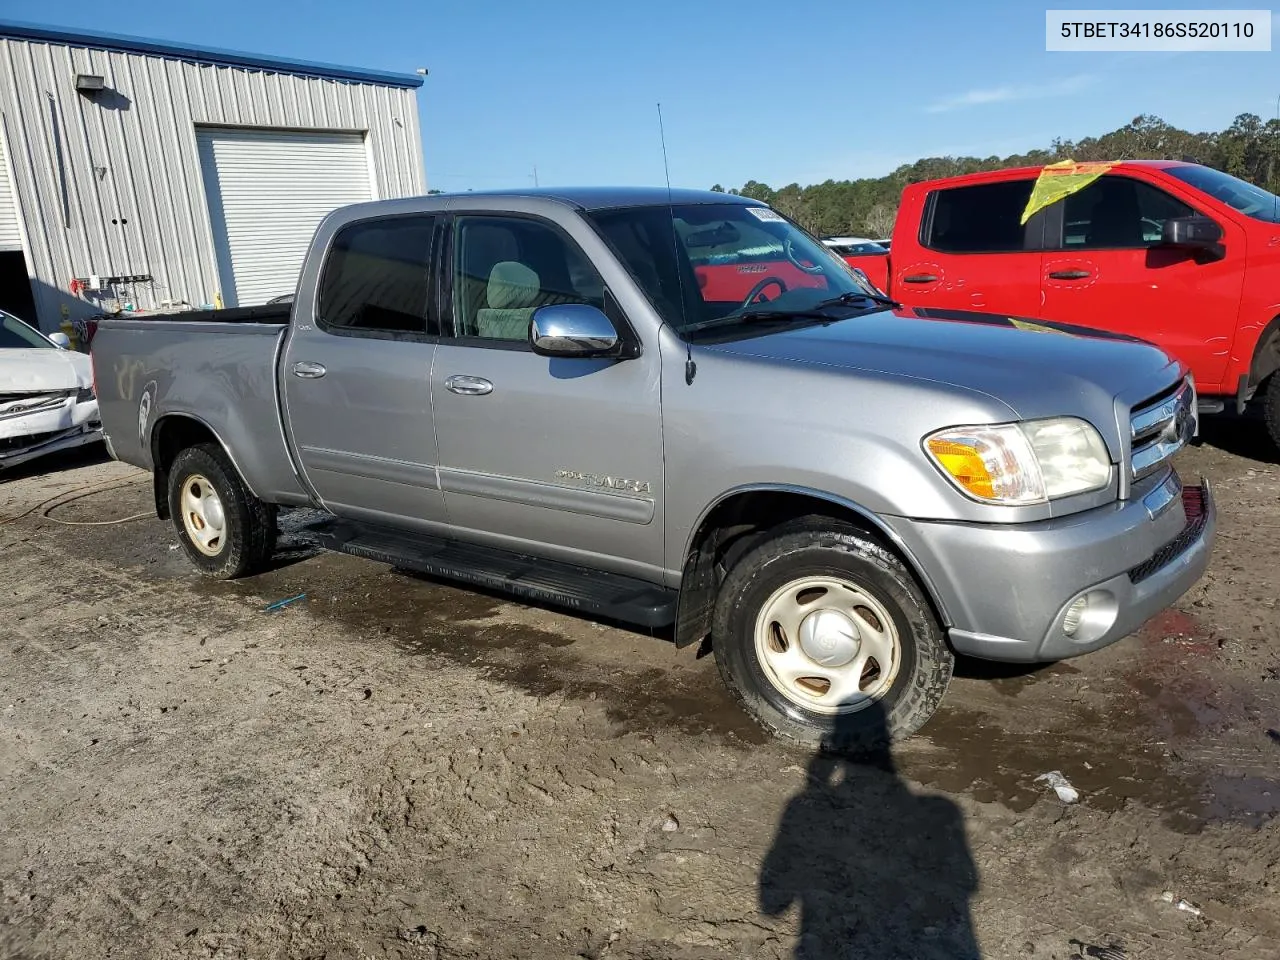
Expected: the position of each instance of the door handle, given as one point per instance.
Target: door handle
(468, 386)
(920, 278)
(1070, 275)
(308, 370)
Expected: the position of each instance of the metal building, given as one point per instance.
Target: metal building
(147, 175)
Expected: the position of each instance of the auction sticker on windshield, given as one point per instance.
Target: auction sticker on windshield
(764, 213)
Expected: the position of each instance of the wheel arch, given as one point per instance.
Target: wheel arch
(740, 517)
(170, 435)
(1266, 354)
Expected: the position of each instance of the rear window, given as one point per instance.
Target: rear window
(979, 219)
(377, 276)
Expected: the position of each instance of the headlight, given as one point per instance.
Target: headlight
(1021, 463)
(85, 394)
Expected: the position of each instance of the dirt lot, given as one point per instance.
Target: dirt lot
(398, 768)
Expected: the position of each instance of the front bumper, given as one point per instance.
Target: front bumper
(27, 436)
(1006, 590)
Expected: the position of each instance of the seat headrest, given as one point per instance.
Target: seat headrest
(512, 285)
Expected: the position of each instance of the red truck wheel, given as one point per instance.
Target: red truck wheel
(1271, 407)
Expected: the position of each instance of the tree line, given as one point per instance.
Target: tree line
(1248, 149)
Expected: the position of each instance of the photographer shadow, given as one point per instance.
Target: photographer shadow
(875, 870)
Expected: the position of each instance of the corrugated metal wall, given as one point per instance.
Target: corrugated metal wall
(10, 233)
(111, 186)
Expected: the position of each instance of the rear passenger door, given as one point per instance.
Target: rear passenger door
(550, 456)
(974, 254)
(356, 375)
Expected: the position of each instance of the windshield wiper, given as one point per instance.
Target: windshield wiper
(761, 316)
(851, 298)
(820, 311)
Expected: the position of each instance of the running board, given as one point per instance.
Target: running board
(559, 584)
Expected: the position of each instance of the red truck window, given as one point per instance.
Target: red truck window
(981, 219)
(1118, 212)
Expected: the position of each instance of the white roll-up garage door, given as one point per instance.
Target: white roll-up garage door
(267, 192)
(10, 237)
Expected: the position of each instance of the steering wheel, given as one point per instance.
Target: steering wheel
(788, 247)
(761, 287)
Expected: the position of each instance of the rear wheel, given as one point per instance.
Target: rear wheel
(224, 530)
(827, 640)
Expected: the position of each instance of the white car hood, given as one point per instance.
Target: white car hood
(43, 368)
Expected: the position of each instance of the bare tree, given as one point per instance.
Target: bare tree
(879, 220)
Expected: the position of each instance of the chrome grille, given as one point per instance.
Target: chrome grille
(1160, 428)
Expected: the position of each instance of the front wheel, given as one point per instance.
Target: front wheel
(224, 529)
(1271, 407)
(826, 638)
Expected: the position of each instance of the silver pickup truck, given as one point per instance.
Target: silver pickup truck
(677, 409)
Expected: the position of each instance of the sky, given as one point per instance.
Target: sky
(781, 92)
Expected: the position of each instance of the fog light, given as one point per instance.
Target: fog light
(1089, 616)
(1075, 614)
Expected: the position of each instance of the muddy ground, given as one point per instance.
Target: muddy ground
(393, 767)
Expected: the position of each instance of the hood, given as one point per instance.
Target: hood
(1036, 367)
(43, 368)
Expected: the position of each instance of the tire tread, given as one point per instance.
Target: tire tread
(251, 524)
(934, 659)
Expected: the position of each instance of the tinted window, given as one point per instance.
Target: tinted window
(1238, 194)
(376, 277)
(1117, 212)
(981, 219)
(506, 268)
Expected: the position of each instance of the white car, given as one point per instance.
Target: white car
(853, 246)
(47, 402)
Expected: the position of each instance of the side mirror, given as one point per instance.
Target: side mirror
(573, 330)
(1192, 233)
(60, 340)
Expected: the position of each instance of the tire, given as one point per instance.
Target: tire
(814, 566)
(205, 488)
(1271, 407)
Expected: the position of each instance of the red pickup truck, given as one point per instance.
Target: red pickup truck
(1177, 254)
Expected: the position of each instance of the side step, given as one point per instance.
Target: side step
(559, 584)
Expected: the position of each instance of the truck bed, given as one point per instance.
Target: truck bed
(209, 370)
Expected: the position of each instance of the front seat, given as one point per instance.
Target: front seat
(513, 293)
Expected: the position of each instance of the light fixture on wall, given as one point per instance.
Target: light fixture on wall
(89, 83)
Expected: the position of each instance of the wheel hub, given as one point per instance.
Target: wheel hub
(830, 638)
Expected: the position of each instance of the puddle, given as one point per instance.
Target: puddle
(422, 617)
(981, 758)
(1115, 748)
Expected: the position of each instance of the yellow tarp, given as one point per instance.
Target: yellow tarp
(1032, 327)
(1061, 179)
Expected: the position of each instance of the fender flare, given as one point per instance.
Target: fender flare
(872, 521)
(153, 436)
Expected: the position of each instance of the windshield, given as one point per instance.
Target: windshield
(1236, 193)
(706, 262)
(16, 335)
